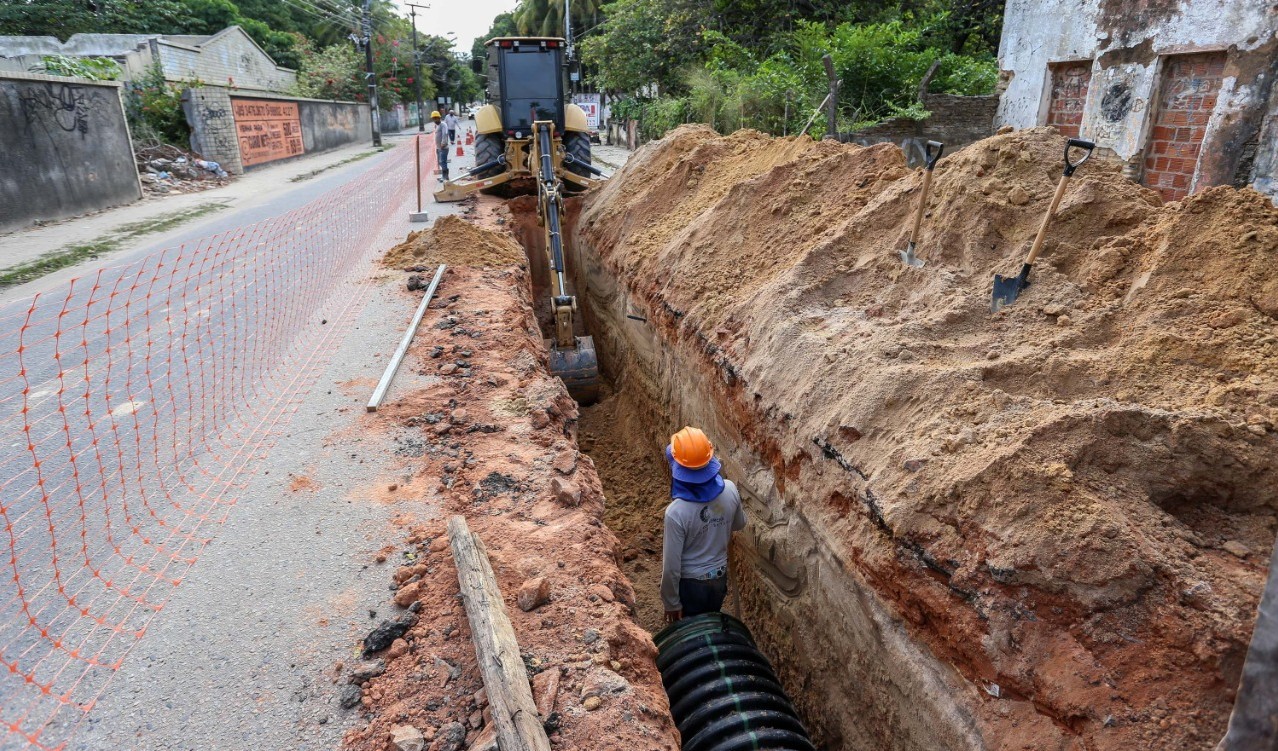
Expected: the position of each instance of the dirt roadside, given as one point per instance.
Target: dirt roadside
(496, 443)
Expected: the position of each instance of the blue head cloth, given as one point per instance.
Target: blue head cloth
(697, 485)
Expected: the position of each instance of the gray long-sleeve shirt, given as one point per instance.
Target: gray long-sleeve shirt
(696, 539)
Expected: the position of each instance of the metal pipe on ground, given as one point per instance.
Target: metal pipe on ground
(392, 367)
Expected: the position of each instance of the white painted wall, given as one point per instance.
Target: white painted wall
(1037, 33)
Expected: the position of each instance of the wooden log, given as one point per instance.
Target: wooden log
(505, 678)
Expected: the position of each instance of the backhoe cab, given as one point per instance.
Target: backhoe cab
(525, 86)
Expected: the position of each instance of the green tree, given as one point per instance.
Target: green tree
(503, 26)
(546, 17)
(645, 42)
(330, 73)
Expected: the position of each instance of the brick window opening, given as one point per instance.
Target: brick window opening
(1190, 84)
(1069, 94)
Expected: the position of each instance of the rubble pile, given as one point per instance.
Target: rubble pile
(165, 169)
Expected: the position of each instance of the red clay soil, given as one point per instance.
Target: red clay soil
(492, 439)
(1072, 502)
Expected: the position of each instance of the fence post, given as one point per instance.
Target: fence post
(832, 103)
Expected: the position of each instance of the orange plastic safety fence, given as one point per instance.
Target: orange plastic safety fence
(133, 402)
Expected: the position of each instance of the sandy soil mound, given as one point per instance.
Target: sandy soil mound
(1072, 500)
(456, 242)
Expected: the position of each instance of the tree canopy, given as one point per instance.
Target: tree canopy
(757, 63)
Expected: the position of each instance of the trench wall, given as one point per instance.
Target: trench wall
(66, 149)
(858, 679)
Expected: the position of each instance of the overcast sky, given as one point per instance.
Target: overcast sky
(465, 18)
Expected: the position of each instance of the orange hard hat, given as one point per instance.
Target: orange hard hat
(691, 448)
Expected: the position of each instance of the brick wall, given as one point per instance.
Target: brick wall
(955, 121)
(1070, 82)
(1189, 88)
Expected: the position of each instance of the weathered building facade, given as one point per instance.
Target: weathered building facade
(1181, 91)
(227, 58)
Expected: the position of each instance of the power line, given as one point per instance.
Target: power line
(335, 8)
(318, 15)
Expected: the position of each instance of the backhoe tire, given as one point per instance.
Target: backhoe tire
(489, 147)
(578, 144)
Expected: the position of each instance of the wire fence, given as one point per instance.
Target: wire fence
(133, 403)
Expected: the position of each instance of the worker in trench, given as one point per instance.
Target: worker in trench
(704, 512)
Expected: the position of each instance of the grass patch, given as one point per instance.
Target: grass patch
(70, 255)
(335, 165)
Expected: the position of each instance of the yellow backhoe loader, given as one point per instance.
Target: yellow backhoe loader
(531, 139)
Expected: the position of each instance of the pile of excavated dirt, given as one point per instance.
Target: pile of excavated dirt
(491, 438)
(1070, 502)
(456, 242)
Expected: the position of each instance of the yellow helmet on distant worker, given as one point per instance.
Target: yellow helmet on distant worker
(691, 449)
(434, 113)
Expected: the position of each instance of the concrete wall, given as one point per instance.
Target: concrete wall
(227, 58)
(1128, 45)
(324, 125)
(65, 146)
(955, 121)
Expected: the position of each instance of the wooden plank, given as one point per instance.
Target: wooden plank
(392, 367)
(505, 678)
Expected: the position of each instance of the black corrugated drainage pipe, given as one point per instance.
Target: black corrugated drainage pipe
(723, 693)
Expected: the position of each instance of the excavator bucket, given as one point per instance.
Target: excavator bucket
(579, 369)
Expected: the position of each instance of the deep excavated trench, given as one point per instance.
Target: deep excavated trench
(1044, 529)
(852, 672)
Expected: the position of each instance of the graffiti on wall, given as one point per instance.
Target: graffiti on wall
(63, 106)
(268, 130)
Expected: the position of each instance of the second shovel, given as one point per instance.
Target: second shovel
(1008, 288)
(931, 158)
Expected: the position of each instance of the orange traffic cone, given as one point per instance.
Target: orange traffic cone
(459, 149)
(470, 137)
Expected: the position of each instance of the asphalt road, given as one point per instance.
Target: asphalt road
(152, 413)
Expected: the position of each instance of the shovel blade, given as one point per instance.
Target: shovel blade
(1008, 288)
(909, 259)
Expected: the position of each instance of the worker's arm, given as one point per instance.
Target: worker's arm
(671, 565)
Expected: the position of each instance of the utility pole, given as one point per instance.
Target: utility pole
(417, 77)
(568, 51)
(373, 110)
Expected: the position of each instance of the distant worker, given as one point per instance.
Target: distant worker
(450, 122)
(706, 510)
(441, 146)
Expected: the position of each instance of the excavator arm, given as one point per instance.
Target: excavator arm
(572, 357)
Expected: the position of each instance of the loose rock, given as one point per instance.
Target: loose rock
(407, 738)
(533, 594)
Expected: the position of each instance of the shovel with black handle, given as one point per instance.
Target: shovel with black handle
(931, 158)
(1008, 288)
